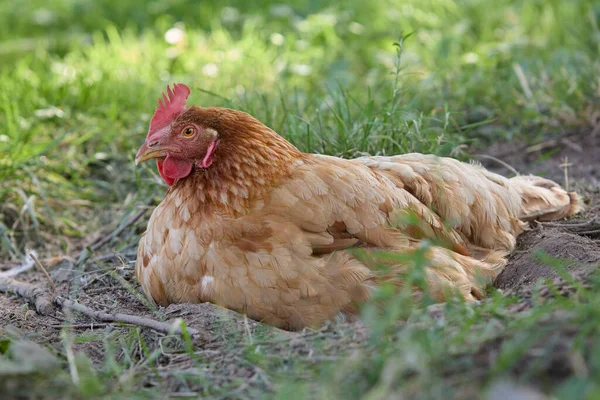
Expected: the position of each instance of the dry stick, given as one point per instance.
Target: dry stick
(504, 164)
(572, 145)
(113, 255)
(594, 232)
(81, 326)
(44, 306)
(570, 225)
(125, 318)
(120, 230)
(34, 294)
(40, 266)
(551, 143)
(565, 165)
(248, 332)
(104, 240)
(28, 263)
(536, 147)
(542, 145)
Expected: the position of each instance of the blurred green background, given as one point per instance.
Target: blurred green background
(79, 80)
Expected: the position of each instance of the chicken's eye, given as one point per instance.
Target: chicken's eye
(188, 132)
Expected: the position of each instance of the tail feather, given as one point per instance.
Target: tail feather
(488, 210)
(544, 200)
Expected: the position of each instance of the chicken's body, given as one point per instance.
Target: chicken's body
(266, 229)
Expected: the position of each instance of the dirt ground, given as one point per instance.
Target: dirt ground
(577, 240)
(582, 151)
(109, 285)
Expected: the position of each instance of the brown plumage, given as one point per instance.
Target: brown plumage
(254, 225)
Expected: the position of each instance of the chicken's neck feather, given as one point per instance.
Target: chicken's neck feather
(246, 167)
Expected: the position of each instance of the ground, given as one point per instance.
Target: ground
(577, 240)
(236, 357)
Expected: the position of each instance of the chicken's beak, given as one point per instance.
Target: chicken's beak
(147, 153)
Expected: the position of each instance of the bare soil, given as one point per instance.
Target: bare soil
(577, 241)
(581, 150)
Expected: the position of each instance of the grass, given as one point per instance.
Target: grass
(79, 81)
(77, 92)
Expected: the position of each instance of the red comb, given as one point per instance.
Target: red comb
(169, 107)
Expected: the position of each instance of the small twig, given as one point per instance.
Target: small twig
(93, 280)
(34, 294)
(566, 140)
(135, 293)
(565, 166)
(569, 225)
(113, 256)
(119, 230)
(99, 243)
(508, 166)
(125, 318)
(542, 145)
(538, 147)
(28, 263)
(44, 305)
(247, 327)
(81, 326)
(184, 394)
(572, 145)
(594, 232)
(40, 266)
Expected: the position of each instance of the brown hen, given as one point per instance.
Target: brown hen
(252, 224)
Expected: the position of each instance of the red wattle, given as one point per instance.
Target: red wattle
(168, 181)
(172, 168)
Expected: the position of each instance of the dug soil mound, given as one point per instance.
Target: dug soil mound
(549, 247)
(542, 254)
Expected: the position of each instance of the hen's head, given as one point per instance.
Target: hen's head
(184, 139)
(176, 139)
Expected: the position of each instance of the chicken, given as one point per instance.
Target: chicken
(254, 225)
